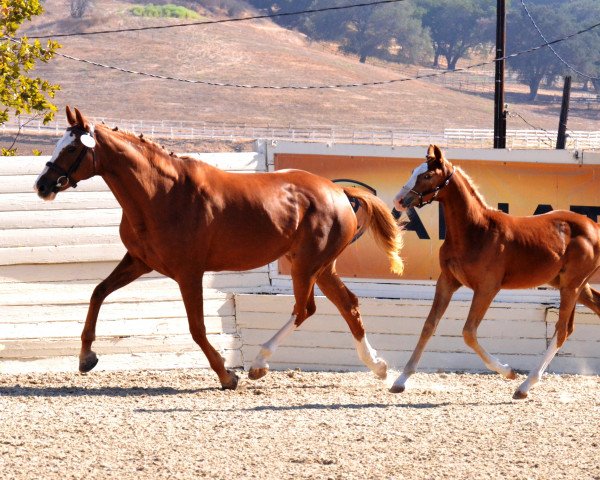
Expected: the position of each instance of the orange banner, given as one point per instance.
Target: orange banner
(514, 187)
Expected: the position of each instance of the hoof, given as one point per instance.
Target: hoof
(231, 383)
(519, 395)
(256, 373)
(397, 388)
(87, 363)
(381, 369)
(512, 375)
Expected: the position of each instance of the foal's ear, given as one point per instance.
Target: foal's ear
(82, 121)
(71, 117)
(434, 156)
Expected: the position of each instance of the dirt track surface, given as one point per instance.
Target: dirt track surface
(178, 424)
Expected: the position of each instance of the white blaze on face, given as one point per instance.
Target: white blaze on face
(67, 139)
(409, 185)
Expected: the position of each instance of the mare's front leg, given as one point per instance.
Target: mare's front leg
(191, 291)
(128, 269)
(482, 298)
(444, 289)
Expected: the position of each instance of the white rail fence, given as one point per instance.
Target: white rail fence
(450, 138)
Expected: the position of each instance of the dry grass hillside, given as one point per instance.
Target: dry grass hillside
(253, 52)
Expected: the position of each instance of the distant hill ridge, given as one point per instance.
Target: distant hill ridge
(257, 53)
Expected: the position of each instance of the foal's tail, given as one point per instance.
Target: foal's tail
(387, 233)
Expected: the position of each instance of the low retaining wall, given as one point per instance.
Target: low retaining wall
(52, 254)
(518, 333)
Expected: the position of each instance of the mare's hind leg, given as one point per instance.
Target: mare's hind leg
(304, 307)
(590, 298)
(444, 289)
(191, 291)
(347, 303)
(564, 327)
(128, 269)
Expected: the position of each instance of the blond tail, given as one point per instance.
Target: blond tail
(387, 233)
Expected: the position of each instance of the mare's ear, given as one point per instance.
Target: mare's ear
(435, 157)
(71, 117)
(82, 121)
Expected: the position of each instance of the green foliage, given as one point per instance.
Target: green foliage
(161, 11)
(555, 20)
(20, 93)
(458, 26)
(391, 32)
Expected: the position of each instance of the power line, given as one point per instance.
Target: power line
(539, 129)
(226, 20)
(321, 87)
(567, 64)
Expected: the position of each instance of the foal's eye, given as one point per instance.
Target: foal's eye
(428, 176)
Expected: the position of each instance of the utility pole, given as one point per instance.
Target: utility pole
(561, 140)
(499, 111)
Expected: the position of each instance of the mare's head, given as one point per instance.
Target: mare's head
(72, 160)
(426, 181)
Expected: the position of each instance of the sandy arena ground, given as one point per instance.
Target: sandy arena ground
(178, 424)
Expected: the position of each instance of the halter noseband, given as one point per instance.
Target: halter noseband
(435, 191)
(67, 175)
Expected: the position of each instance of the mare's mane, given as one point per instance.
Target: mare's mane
(473, 190)
(141, 139)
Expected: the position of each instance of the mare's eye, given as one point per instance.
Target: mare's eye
(71, 149)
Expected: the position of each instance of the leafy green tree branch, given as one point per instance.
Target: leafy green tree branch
(20, 91)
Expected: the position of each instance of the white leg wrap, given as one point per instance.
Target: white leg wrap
(269, 347)
(400, 382)
(368, 356)
(496, 366)
(536, 374)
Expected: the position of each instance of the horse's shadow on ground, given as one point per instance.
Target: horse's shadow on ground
(70, 391)
(74, 392)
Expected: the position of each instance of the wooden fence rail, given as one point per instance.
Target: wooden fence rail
(449, 138)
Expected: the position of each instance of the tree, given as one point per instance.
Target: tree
(583, 49)
(539, 65)
(392, 32)
(79, 7)
(18, 56)
(458, 26)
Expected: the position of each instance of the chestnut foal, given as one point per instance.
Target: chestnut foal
(487, 250)
(183, 217)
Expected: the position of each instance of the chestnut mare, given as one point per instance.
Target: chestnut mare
(487, 250)
(182, 217)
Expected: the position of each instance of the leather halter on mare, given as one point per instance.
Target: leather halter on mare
(435, 191)
(67, 174)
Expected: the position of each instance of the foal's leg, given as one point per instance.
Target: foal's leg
(564, 327)
(347, 303)
(191, 291)
(479, 305)
(304, 307)
(128, 269)
(444, 289)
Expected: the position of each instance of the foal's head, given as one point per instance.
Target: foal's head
(426, 181)
(73, 158)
